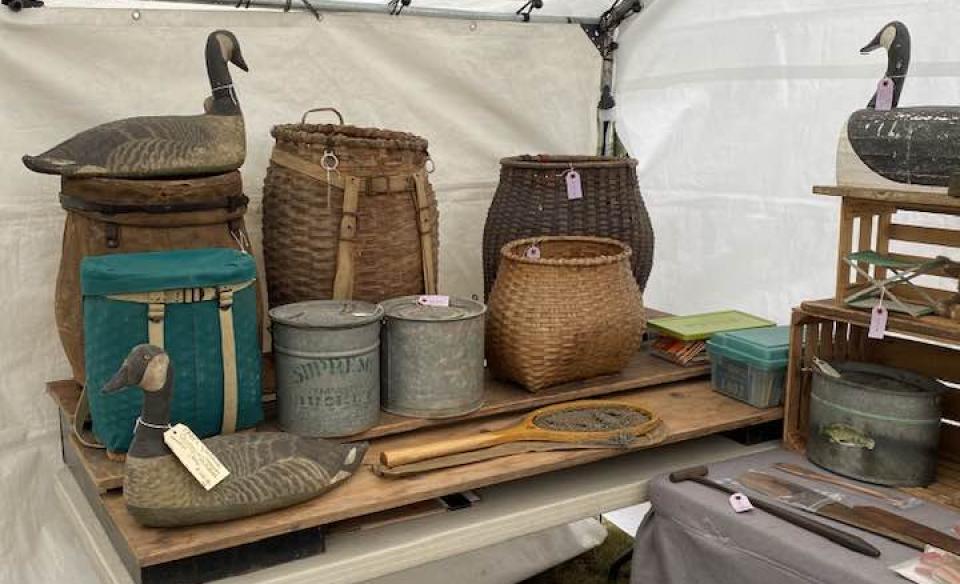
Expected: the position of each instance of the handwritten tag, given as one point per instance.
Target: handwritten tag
(884, 100)
(878, 322)
(195, 456)
(574, 188)
(433, 300)
(533, 252)
(740, 503)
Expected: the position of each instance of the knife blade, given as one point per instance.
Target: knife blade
(867, 518)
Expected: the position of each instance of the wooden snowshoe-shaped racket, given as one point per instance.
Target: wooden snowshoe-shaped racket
(578, 424)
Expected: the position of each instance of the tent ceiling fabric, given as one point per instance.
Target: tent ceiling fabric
(733, 110)
(476, 93)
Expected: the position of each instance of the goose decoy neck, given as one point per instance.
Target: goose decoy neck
(223, 48)
(154, 421)
(895, 38)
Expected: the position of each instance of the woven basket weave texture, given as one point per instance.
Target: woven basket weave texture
(531, 199)
(301, 215)
(573, 313)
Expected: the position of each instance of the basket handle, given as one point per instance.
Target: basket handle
(303, 120)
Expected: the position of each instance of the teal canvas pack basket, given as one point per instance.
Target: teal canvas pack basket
(200, 306)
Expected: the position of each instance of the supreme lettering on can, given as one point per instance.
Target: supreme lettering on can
(327, 355)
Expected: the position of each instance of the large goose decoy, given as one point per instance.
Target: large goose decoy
(912, 148)
(268, 470)
(163, 146)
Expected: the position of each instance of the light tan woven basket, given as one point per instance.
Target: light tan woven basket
(348, 213)
(574, 312)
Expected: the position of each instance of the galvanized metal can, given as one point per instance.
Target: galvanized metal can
(432, 357)
(876, 424)
(327, 356)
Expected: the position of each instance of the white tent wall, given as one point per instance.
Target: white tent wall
(476, 92)
(733, 110)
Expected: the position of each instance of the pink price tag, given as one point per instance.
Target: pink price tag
(574, 188)
(740, 503)
(433, 300)
(884, 100)
(878, 322)
(533, 252)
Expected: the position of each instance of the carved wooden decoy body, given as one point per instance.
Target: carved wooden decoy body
(163, 146)
(268, 470)
(912, 148)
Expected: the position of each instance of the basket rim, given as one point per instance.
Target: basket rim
(508, 251)
(336, 134)
(562, 161)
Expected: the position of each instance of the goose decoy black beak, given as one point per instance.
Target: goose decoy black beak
(121, 379)
(873, 45)
(237, 59)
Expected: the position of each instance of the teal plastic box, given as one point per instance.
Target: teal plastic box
(751, 365)
(190, 296)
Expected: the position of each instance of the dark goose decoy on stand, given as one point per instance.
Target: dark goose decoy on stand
(911, 148)
(163, 146)
(268, 470)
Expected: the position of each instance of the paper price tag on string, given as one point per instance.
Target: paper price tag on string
(740, 503)
(433, 300)
(574, 188)
(884, 100)
(533, 252)
(195, 456)
(878, 322)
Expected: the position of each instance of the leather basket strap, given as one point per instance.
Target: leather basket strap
(228, 354)
(425, 223)
(178, 295)
(80, 418)
(374, 185)
(343, 280)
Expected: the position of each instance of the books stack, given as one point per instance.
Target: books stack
(683, 339)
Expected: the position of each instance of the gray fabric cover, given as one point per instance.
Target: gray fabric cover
(692, 536)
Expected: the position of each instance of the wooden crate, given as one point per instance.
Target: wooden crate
(832, 332)
(874, 220)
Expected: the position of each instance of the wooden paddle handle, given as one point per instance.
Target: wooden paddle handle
(400, 456)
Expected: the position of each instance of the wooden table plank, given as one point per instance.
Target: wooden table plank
(499, 397)
(689, 410)
(911, 200)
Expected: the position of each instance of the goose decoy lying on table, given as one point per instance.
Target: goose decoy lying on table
(163, 146)
(268, 470)
(912, 148)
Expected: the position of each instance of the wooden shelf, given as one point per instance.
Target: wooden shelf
(689, 409)
(934, 328)
(644, 371)
(907, 200)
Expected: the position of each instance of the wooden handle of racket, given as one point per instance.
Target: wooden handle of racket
(401, 456)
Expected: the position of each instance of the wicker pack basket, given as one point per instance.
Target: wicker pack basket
(348, 213)
(532, 199)
(562, 309)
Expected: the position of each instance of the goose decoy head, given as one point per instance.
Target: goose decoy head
(890, 32)
(229, 47)
(146, 366)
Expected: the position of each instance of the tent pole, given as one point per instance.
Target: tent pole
(411, 10)
(603, 35)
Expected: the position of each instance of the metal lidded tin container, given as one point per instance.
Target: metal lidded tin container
(432, 357)
(328, 366)
(876, 424)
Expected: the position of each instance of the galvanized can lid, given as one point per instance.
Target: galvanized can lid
(326, 314)
(411, 308)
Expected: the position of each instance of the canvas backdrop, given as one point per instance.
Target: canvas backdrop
(477, 93)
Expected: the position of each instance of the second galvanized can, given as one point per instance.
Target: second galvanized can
(876, 424)
(328, 366)
(432, 357)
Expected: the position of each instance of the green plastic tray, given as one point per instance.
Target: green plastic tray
(696, 327)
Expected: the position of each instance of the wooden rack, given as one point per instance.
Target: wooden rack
(830, 330)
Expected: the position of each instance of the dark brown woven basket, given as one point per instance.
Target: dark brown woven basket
(532, 200)
(302, 216)
(574, 312)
